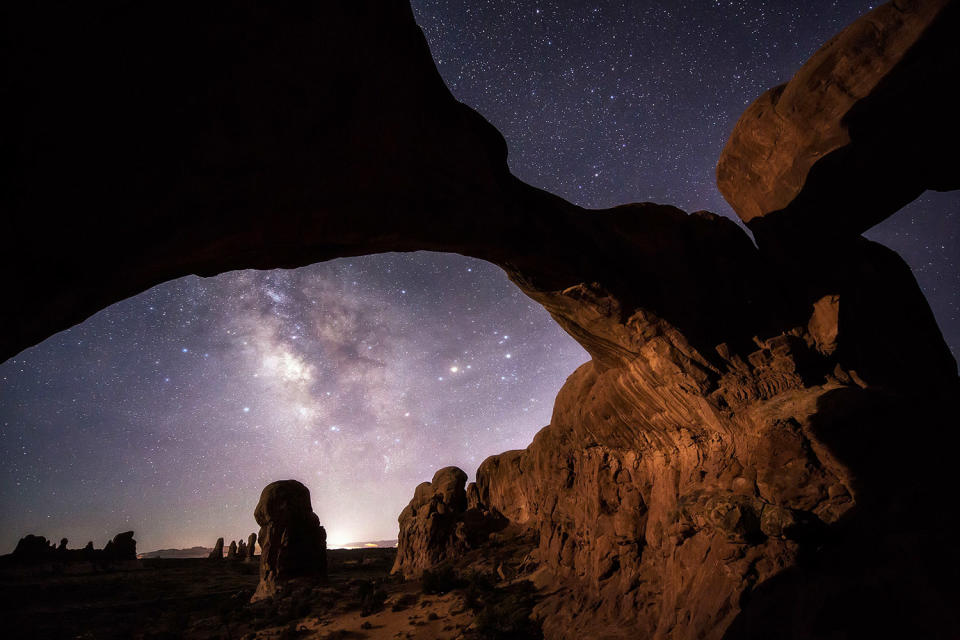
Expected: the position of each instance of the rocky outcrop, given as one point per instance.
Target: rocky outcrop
(863, 128)
(232, 550)
(122, 548)
(120, 552)
(31, 548)
(241, 551)
(442, 522)
(217, 553)
(761, 445)
(251, 546)
(292, 542)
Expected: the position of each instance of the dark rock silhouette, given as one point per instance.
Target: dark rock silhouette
(292, 542)
(123, 547)
(241, 551)
(119, 552)
(762, 442)
(217, 553)
(232, 551)
(251, 546)
(31, 548)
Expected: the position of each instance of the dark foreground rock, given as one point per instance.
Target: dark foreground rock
(292, 542)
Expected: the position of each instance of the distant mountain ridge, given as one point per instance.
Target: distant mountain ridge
(379, 544)
(192, 552)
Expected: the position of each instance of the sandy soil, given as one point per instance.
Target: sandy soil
(197, 598)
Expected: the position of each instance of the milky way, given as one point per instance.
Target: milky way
(168, 412)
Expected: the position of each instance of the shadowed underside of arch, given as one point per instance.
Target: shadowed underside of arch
(731, 443)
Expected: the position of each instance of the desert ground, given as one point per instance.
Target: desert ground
(200, 598)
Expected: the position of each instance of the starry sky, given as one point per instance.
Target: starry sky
(168, 412)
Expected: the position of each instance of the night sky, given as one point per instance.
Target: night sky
(168, 412)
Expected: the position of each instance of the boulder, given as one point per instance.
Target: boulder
(292, 542)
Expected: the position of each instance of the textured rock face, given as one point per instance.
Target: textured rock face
(761, 445)
(292, 542)
(862, 129)
(441, 522)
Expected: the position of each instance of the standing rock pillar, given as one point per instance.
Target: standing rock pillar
(292, 542)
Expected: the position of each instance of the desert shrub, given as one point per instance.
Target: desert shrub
(506, 615)
(405, 602)
(478, 587)
(292, 631)
(372, 597)
(441, 579)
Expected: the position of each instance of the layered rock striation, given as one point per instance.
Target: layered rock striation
(863, 128)
(761, 444)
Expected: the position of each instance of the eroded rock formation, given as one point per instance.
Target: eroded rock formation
(864, 127)
(292, 542)
(441, 522)
(122, 548)
(761, 444)
(31, 548)
(217, 553)
(251, 546)
(121, 551)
